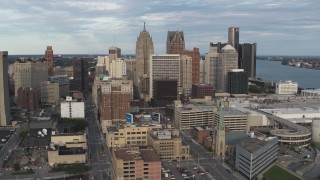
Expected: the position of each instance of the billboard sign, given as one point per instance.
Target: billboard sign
(155, 116)
(129, 118)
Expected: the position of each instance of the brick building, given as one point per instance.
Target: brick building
(28, 98)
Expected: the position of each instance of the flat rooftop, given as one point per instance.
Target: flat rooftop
(305, 110)
(252, 144)
(232, 112)
(146, 155)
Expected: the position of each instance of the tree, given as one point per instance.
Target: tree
(16, 167)
(23, 134)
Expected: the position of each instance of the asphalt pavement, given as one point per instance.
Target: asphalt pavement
(98, 156)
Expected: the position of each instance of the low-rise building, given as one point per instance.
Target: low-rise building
(233, 119)
(310, 92)
(67, 149)
(168, 144)
(192, 115)
(126, 136)
(136, 163)
(254, 155)
(199, 134)
(287, 87)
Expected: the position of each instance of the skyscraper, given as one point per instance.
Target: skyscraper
(176, 45)
(218, 65)
(49, 57)
(115, 100)
(144, 49)
(237, 81)
(248, 58)
(227, 60)
(233, 37)
(114, 53)
(30, 73)
(165, 66)
(5, 116)
(175, 42)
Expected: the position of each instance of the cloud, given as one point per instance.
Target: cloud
(85, 25)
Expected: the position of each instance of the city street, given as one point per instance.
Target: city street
(98, 156)
(202, 157)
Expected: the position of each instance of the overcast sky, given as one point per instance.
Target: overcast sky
(279, 27)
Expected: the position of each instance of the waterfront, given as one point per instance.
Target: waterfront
(274, 71)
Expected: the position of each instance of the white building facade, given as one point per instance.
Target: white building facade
(72, 109)
(287, 87)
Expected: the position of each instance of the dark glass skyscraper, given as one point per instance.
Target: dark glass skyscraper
(237, 81)
(248, 59)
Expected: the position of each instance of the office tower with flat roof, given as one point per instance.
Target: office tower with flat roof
(30, 73)
(5, 116)
(144, 48)
(237, 81)
(28, 98)
(186, 75)
(165, 66)
(49, 57)
(248, 58)
(233, 37)
(81, 77)
(115, 97)
(175, 42)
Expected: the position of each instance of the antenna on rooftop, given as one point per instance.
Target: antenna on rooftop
(144, 26)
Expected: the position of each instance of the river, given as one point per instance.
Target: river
(274, 71)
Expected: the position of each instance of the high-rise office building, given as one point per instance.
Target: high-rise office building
(5, 116)
(248, 58)
(227, 60)
(175, 42)
(176, 45)
(115, 100)
(186, 74)
(30, 73)
(81, 77)
(233, 37)
(165, 66)
(28, 98)
(218, 65)
(114, 53)
(144, 48)
(49, 57)
(237, 81)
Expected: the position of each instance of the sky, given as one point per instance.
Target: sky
(279, 27)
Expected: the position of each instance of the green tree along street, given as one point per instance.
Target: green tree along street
(71, 169)
(16, 167)
(81, 124)
(23, 134)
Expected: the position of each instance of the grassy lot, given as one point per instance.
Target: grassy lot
(277, 173)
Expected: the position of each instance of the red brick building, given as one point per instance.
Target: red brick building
(201, 90)
(199, 134)
(176, 45)
(28, 98)
(116, 96)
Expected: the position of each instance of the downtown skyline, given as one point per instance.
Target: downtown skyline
(91, 27)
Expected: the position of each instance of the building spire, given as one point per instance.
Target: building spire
(221, 118)
(144, 27)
